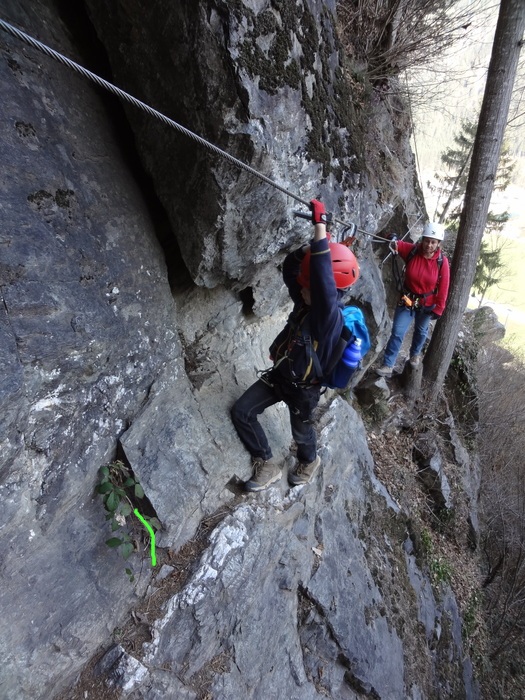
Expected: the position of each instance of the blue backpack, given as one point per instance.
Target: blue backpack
(339, 372)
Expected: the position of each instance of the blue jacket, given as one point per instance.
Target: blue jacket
(323, 319)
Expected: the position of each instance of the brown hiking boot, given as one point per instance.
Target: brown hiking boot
(303, 473)
(265, 472)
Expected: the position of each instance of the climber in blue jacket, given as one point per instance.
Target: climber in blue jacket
(315, 275)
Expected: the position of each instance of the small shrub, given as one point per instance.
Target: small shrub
(440, 570)
(445, 519)
(121, 493)
(390, 37)
(426, 542)
(471, 615)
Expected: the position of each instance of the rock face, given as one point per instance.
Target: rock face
(87, 327)
(251, 78)
(276, 591)
(137, 302)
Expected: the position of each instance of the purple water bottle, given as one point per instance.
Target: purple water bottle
(352, 354)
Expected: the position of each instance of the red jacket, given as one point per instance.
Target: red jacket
(423, 276)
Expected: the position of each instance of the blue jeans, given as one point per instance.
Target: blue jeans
(260, 396)
(403, 318)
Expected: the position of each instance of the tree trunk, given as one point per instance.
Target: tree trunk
(410, 380)
(485, 157)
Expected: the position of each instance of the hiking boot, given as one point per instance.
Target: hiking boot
(303, 473)
(415, 361)
(385, 371)
(265, 472)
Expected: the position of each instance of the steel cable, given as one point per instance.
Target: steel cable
(31, 41)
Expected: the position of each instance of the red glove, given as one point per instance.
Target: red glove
(319, 213)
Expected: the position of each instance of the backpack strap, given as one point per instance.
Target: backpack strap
(313, 360)
(439, 264)
(345, 337)
(414, 251)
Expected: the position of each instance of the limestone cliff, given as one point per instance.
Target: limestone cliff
(140, 291)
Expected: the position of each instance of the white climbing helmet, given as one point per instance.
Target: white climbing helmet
(433, 230)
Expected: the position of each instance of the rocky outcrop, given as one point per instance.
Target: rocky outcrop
(137, 302)
(263, 82)
(303, 593)
(431, 472)
(484, 325)
(87, 327)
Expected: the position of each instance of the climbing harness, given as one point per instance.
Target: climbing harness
(409, 299)
(31, 41)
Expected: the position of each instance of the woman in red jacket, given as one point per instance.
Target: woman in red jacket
(425, 291)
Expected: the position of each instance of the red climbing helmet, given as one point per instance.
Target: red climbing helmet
(344, 267)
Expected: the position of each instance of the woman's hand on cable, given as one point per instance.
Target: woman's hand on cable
(393, 244)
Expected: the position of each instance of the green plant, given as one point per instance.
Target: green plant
(445, 518)
(426, 542)
(120, 492)
(376, 411)
(491, 268)
(440, 570)
(450, 185)
(470, 616)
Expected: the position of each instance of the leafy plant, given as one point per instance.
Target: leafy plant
(471, 615)
(440, 570)
(426, 542)
(120, 492)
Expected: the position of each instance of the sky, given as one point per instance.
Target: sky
(452, 91)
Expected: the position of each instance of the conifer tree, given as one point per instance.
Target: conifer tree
(452, 184)
(486, 152)
(491, 269)
(451, 187)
